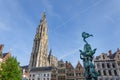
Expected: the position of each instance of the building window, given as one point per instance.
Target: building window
(103, 66)
(106, 79)
(109, 72)
(115, 72)
(118, 57)
(117, 78)
(108, 65)
(62, 65)
(53, 75)
(33, 75)
(38, 78)
(118, 63)
(113, 65)
(47, 74)
(76, 74)
(100, 79)
(104, 72)
(98, 65)
(103, 56)
(44, 75)
(47, 78)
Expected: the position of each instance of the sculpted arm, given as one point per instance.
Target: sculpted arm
(93, 52)
(81, 53)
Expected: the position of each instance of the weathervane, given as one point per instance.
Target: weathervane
(87, 56)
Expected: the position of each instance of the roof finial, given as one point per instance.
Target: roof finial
(43, 15)
(50, 52)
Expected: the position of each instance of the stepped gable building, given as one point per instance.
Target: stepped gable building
(107, 66)
(66, 71)
(54, 74)
(69, 71)
(79, 72)
(39, 55)
(61, 70)
(3, 56)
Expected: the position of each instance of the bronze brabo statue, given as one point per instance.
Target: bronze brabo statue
(87, 56)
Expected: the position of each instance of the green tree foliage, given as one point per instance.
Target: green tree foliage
(10, 70)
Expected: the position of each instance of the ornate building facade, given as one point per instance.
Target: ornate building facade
(66, 71)
(61, 70)
(79, 72)
(117, 59)
(70, 72)
(107, 66)
(40, 73)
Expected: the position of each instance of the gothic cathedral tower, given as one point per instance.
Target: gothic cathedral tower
(40, 45)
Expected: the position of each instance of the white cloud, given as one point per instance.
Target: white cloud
(69, 53)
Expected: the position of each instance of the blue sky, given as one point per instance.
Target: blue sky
(66, 19)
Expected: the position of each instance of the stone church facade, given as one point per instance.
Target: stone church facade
(39, 55)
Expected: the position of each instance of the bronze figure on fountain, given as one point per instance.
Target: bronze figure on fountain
(87, 56)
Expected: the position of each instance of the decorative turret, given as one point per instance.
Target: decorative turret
(52, 59)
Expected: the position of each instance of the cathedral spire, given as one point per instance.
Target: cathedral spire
(42, 24)
(40, 45)
(44, 16)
